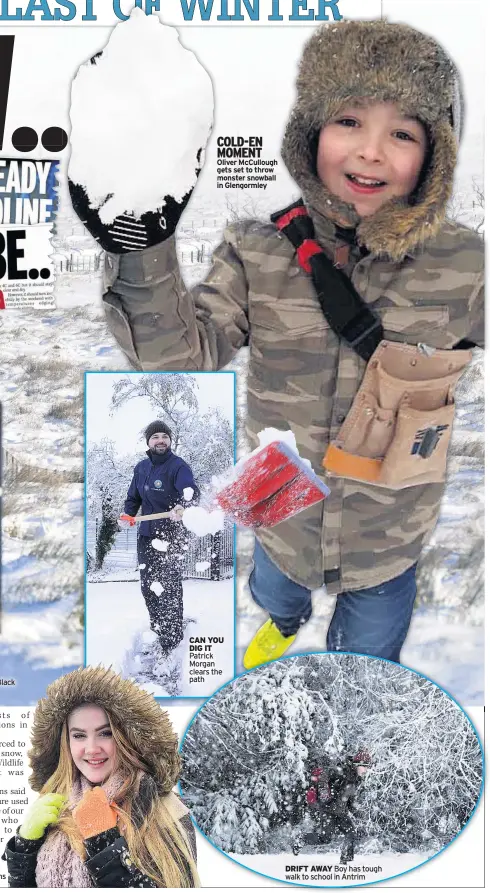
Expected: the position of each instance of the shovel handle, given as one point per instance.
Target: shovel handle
(139, 518)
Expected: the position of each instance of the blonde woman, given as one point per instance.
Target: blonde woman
(104, 760)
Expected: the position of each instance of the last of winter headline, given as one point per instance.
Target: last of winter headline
(204, 10)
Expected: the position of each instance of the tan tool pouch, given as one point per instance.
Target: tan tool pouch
(398, 429)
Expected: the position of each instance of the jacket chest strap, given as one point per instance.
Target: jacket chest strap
(344, 309)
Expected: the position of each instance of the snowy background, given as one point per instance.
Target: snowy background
(43, 357)
(248, 755)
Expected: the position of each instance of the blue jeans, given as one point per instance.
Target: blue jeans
(371, 621)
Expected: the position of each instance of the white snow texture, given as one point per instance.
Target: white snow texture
(119, 606)
(201, 522)
(270, 435)
(139, 116)
(159, 546)
(202, 566)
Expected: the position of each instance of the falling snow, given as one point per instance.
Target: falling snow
(201, 522)
(159, 545)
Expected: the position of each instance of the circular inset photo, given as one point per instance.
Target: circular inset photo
(331, 769)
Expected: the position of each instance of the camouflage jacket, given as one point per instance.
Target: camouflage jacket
(300, 376)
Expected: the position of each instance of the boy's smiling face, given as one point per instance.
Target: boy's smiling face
(369, 154)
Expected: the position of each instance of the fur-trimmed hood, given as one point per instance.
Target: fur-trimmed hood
(132, 711)
(382, 62)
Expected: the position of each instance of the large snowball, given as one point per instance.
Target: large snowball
(139, 116)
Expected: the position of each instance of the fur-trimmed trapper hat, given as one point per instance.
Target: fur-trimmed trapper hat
(352, 61)
(132, 711)
(157, 427)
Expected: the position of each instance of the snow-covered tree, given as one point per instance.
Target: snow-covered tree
(208, 445)
(172, 394)
(261, 726)
(467, 206)
(108, 479)
(205, 440)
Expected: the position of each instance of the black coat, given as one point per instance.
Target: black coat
(108, 860)
(343, 781)
(336, 790)
(157, 486)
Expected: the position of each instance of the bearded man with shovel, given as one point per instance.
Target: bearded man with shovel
(160, 484)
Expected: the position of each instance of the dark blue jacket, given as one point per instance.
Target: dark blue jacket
(158, 485)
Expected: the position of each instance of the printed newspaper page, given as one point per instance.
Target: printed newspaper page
(241, 392)
(25, 235)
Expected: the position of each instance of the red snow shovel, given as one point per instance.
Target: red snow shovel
(273, 485)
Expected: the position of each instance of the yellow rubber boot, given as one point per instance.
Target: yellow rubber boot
(267, 644)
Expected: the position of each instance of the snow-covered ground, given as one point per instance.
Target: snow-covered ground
(119, 608)
(439, 645)
(43, 356)
(36, 647)
(324, 869)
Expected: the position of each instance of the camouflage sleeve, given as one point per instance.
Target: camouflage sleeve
(159, 324)
(476, 332)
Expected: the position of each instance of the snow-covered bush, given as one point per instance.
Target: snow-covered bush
(249, 747)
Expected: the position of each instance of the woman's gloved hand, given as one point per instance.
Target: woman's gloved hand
(45, 811)
(94, 814)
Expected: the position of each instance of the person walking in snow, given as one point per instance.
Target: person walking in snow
(162, 482)
(104, 761)
(365, 266)
(330, 800)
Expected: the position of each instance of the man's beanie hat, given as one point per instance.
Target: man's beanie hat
(379, 61)
(157, 427)
(132, 711)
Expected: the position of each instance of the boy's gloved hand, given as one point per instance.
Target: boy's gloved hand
(94, 814)
(126, 521)
(45, 811)
(127, 233)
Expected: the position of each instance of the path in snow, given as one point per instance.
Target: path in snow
(117, 620)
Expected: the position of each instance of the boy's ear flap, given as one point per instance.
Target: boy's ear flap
(457, 108)
(313, 140)
(424, 170)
